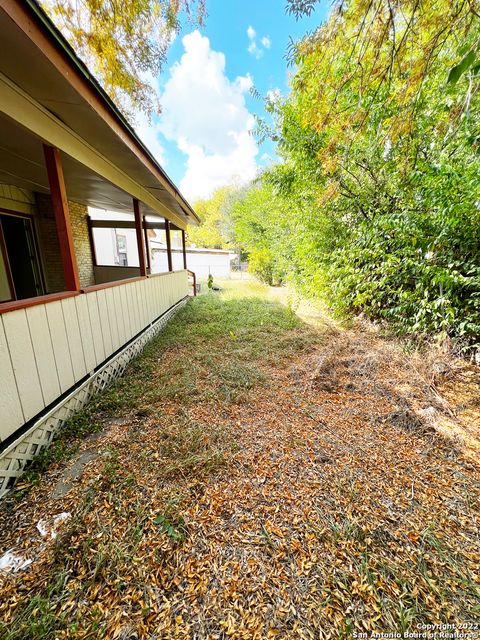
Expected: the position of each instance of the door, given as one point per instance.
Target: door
(22, 256)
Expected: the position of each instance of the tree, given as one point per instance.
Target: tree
(380, 154)
(215, 230)
(248, 220)
(123, 42)
(261, 229)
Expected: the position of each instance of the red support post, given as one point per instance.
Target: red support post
(169, 244)
(58, 194)
(139, 232)
(184, 250)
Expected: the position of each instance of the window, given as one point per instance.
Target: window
(121, 246)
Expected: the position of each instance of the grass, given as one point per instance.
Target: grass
(238, 495)
(206, 332)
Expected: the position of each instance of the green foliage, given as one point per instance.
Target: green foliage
(459, 69)
(122, 39)
(175, 529)
(215, 231)
(260, 230)
(376, 204)
(210, 281)
(245, 218)
(261, 264)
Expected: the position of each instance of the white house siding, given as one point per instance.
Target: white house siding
(47, 348)
(204, 263)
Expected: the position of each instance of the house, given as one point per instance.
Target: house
(68, 324)
(203, 261)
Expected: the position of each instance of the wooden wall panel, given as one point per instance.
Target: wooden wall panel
(43, 350)
(23, 360)
(97, 335)
(46, 348)
(74, 339)
(121, 316)
(138, 314)
(61, 351)
(144, 303)
(149, 299)
(86, 334)
(113, 319)
(11, 414)
(126, 306)
(107, 332)
(134, 309)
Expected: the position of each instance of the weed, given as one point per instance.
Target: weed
(175, 530)
(39, 619)
(112, 465)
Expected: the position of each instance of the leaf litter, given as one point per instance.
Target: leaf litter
(259, 477)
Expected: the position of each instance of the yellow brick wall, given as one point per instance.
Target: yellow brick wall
(81, 241)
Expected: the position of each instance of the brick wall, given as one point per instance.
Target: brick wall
(81, 241)
(50, 248)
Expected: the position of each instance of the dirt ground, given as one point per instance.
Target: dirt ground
(260, 472)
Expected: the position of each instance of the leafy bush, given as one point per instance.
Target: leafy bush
(377, 200)
(261, 263)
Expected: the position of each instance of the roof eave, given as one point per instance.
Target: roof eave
(81, 68)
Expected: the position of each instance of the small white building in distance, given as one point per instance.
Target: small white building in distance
(201, 261)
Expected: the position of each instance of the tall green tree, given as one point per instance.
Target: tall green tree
(261, 230)
(380, 158)
(215, 230)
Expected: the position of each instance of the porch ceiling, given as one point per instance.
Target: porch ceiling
(36, 58)
(22, 164)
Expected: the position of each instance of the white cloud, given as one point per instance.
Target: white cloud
(204, 112)
(206, 172)
(244, 83)
(254, 48)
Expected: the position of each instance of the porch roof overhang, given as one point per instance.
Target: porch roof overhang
(50, 93)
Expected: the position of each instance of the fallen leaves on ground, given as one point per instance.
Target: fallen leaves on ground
(291, 491)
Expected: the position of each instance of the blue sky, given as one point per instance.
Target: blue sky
(202, 137)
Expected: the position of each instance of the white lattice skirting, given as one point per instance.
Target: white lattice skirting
(16, 457)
